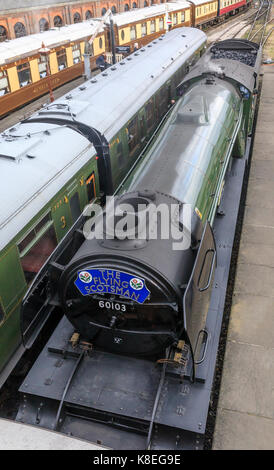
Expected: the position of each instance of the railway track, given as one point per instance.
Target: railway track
(263, 14)
(250, 24)
(226, 32)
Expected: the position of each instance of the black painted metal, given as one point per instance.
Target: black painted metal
(236, 60)
(98, 140)
(111, 397)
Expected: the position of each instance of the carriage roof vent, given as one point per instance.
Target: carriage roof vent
(18, 147)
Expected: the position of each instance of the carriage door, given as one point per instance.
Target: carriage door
(170, 91)
(74, 204)
(142, 124)
(197, 295)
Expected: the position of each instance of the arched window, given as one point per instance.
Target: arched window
(126, 7)
(145, 4)
(113, 9)
(43, 25)
(77, 18)
(19, 30)
(57, 21)
(88, 15)
(3, 33)
(134, 5)
(103, 12)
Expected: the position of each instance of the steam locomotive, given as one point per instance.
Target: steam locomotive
(131, 299)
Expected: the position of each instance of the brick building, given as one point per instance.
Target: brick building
(23, 17)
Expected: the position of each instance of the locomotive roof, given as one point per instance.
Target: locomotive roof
(137, 14)
(26, 45)
(37, 164)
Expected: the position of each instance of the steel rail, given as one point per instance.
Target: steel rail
(256, 18)
(263, 27)
(269, 34)
(249, 18)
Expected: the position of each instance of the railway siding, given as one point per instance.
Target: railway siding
(245, 415)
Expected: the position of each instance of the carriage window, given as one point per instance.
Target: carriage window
(1, 312)
(144, 29)
(36, 247)
(132, 32)
(152, 26)
(90, 182)
(75, 207)
(4, 83)
(61, 59)
(142, 127)
(120, 155)
(76, 53)
(42, 66)
(162, 101)
(149, 114)
(24, 74)
(161, 23)
(44, 222)
(182, 17)
(175, 18)
(133, 134)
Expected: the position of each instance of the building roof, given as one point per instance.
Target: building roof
(18, 4)
(16, 48)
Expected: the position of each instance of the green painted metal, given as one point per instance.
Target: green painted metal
(12, 280)
(199, 137)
